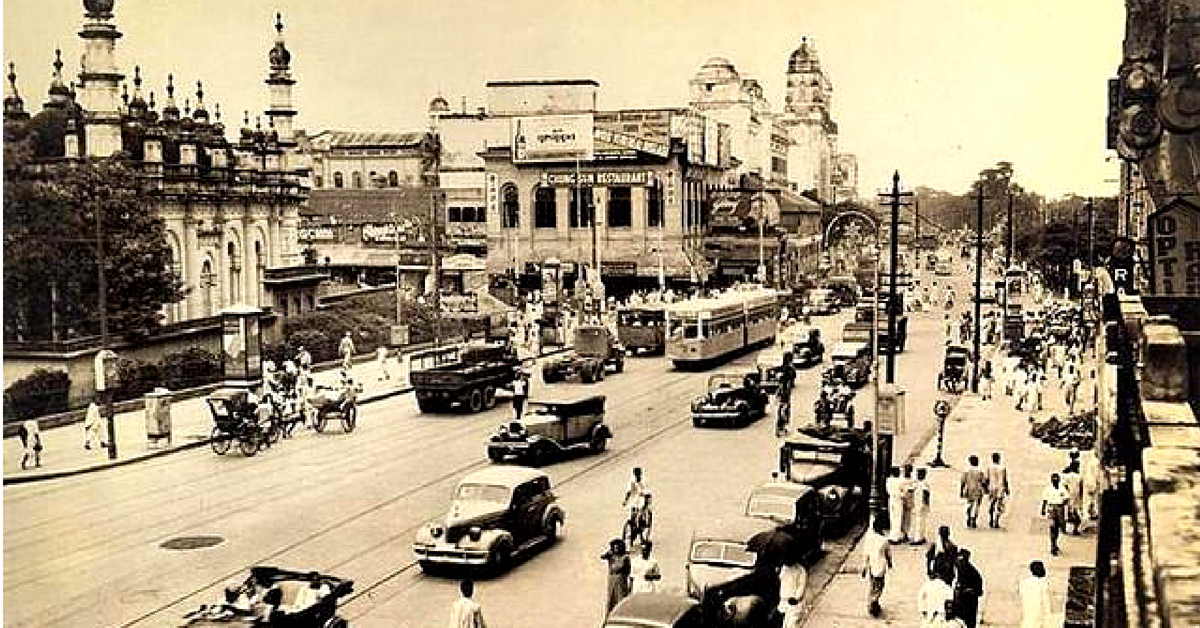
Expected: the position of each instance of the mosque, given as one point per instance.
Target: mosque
(231, 208)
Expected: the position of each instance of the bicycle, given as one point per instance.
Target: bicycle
(639, 524)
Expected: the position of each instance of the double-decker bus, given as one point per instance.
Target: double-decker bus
(643, 328)
(702, 332)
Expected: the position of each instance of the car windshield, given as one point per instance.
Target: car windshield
(482, 493)
(722, 552)
(771, 506)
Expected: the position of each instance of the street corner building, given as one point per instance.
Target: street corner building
(230, 208)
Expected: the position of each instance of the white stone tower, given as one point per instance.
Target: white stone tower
(279, 83)
(806, 114)
(99, 79)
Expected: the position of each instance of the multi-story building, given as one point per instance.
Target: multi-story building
(231, 209)
(807, 116)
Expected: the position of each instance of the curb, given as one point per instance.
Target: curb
(111, 464)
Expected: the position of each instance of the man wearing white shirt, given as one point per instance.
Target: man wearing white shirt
(1054, 503)
(878, 560)
(792, 581)
(1035, 597)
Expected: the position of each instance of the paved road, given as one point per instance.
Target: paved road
(86, 550)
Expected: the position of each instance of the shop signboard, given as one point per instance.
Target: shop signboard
(597, 178)
(553, 138)
(316, 234)
(1121, 266)
(1175, 249)
(618, 268)
(493, 195)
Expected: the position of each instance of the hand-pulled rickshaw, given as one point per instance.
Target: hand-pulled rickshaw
(953, 378)
(236, 418)
(335, 403)
(304, 600)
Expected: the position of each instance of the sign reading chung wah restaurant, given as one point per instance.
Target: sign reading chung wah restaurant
(1175, 249)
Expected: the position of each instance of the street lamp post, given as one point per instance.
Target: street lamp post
(978, 282)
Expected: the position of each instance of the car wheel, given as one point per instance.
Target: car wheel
(620, 365)
(495, 455)
(599, 442)
(249, 445)
(500, 556)
(350, 419)
(475, 400)
(697, 421)
(554, 529)
(220, 442)
(586, 376)
(600, 372)
(428, 567)
(489, 397)
(539, 456)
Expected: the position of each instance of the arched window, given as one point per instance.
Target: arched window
(545, 208)
(356, 179)
(337, 180)
(510, 214)
(393, 179)
(654, 205)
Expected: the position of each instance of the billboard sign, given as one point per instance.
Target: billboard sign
(553, 138)
(1175, 250)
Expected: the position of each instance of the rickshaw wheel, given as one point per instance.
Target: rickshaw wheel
(349, 419)
(249, 445)
(219, 442)
(273, 433)
(319, 423)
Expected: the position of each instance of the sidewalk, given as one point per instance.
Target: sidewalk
(1002, 556)
(63, 454)
(191, 423)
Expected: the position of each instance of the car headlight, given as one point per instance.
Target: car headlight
(435, 531)
(475, 533)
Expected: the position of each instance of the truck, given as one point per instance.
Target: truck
(462, 376)
(595, 349)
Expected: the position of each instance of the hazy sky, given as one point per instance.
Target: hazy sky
(938, 89)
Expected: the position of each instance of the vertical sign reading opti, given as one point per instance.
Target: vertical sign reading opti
(553, 138)
(1175, 250)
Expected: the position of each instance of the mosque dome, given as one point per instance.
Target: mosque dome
(439, 105)
(717, 69)
(98, 7)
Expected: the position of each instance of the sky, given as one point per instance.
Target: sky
(936, 89)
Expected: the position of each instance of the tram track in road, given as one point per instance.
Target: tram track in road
(629, 405)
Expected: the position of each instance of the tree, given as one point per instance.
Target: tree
(51, 285)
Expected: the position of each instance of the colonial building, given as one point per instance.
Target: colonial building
(231, 208)
(807, 116)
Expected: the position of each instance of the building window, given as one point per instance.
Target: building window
(480, 215)
(620, 206)
(318, 181)
(356, 179)
(454, 214)
(337, 180)
(510, 213)
(545, 208)
(582, 216)
(654, 205)
(393, 179)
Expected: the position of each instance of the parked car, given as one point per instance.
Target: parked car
(655, 610)
(550, 429)
(836, 462)
(718, 553)
(732, 399)
(495, 515)
(595, 349)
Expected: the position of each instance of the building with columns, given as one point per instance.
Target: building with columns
(231, 208)
(807, 116)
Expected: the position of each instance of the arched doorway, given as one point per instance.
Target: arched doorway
(208, 280)
(234, 262)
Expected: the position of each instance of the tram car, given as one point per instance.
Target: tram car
(642, 328)
(704, 332)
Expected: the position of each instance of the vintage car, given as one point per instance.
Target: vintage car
(789, 503)
(595, 349)
(769, 364)
(834, 461)
(809, 351)
(851, 363)
(718, 553)
(823, 301)
(550, 429)
(953, 378)
(655, 610)
(495, 515)
(322, 613)
(732, 399)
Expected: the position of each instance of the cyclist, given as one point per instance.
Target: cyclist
(787, 379)
(637, 499)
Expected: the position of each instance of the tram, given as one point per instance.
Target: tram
(702, 332)
(643, 328)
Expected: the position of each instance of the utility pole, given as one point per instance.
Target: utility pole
(917, 225)
(101, 262)
(435, 254)
(893, 200)
(978, 284)
(1008, 249)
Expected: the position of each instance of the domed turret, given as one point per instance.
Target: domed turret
(279, 57)
(717, 70)
(170, 113)
(14, 107)
(96, 8)
(804, 58)
(137, 104)
(439, 105)
(60, 94)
